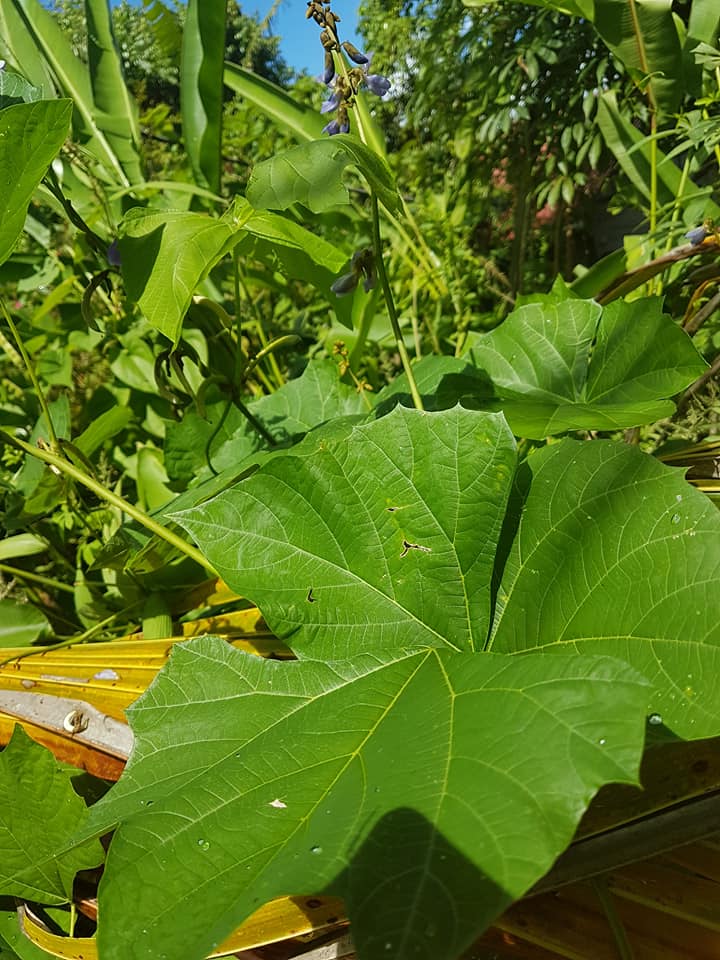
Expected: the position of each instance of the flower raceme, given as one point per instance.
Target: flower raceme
(345, 85)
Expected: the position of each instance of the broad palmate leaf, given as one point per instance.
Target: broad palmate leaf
(386, 537)
(429, 789)
(427, 783)
(573, 365)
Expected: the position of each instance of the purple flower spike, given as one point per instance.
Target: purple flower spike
(332, 104)
(377, 84)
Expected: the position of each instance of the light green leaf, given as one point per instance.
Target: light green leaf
(311, 174)
(21, 624)
(73, 79)
(21, 545)
(367, 540)
(201, 88)
(394, 781)
(114, 111)
(633, 152)
(102, 429)
(643, 35)
(302, 121)
(16, 89)
(19, 49)
(540, 362)
(150, 240)
(39, 812)
(31, 135)
(308, 401)
(194, 243)
(616, 554)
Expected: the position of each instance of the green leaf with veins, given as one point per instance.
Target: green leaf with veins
(427, 784)
(384, 537)
(602, 548)
(573, 365)
(311, 174)
(610, 552)
(394, 781)
(31, 134)
(39, 812)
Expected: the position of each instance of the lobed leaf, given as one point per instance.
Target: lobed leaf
(572, 365)
(383, 537)
(393, 781)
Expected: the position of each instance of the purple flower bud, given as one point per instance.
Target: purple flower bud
(332, 128)
(355, 55)
(697, 235)
(377, 84)
(345, 284)
(329, 67)
(345, 126)
(331, 104)
(369, 283)
(113, 254)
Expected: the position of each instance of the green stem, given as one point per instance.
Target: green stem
(33, 376)
(36, 578)
(390, 303)
(113, 499)
(625, 951)
(80, 638)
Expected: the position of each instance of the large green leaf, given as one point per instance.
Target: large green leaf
(634, 153)
(644, 35)
(575, 366)
(301, 120)
(311, 174)
(428, 789)
(19, 49)
(115, 111)
(191, 243)
(39, 811)
(614, 553)
(201, 87)
(72, 78)
(194, 243)
(368, 540)
(31, 135)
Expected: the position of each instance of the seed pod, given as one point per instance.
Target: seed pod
(329, 67)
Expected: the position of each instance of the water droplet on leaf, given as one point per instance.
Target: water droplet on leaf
(655, 719)
(315, 849)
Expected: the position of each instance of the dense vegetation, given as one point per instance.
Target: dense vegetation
(398, 356)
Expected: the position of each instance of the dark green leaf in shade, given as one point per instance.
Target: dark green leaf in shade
(394, 781)
(383, 538)
(39, 812)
